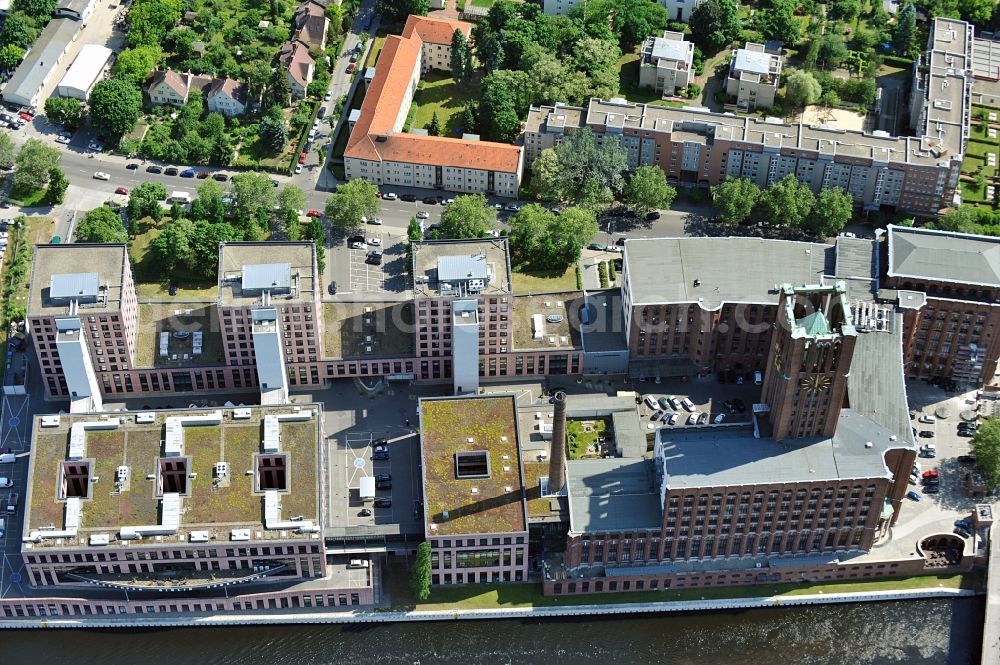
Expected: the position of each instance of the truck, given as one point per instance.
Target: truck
(179, 197)
(367, 489)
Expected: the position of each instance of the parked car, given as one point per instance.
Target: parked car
(389, 196)
(59, 139)
(409, 198)
(171, 170)
(664, 403)
(12, 500)
(172, 289)
(314, 213)
(383, 477)
(675, 403)
(302, 157)
(932, 489)
(221, 177)
(380, 457)
(350, 68)
(358, 244)
(966, 459)
(703, 418)
(375, 241)
(926, 419)
(132, 166)
(374, 258)
(964, 533)
(656, 414)
(374, 221)
(122, 190)
(673, 419)
(693, 418)
(687, 404)
(422, 215)
(6, 482)
(913, 496)
(153, 168)
(332, 289)
(930, 473)
(963, 524)
(719, 419)
(383, 502)
(203, 175)
(926, 434)
(966, 433)
(365, 512)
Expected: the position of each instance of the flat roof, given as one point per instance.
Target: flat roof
(266, 265)
(428, 255)
(64, 264)
(755, 62)
(232, 504)
(612, 494)
(857, 266)
(462, 267)
(77, 285)
(672, 49)
(87, 67)
(944, 256)
(453, 505)
(602, 328)
(550, 321)
(726, 456)
(714, 271)
(876, 386)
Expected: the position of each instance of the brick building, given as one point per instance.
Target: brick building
(952, 328)
(475, 514)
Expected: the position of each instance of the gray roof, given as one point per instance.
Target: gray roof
(597, 405)
(74, 285)
(664, 270)
(857, 265)
(462, 267)
(670, 49)
(721, 456)
(944, 256)
(755, 62)
(44, 54)
(612, 494)
(605, 329)
(630, 433)
(267, 276)
(876, 386)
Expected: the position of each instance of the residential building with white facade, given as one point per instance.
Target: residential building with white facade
(665, 63)
(753, 76)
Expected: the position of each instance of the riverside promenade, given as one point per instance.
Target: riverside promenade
(389, 616)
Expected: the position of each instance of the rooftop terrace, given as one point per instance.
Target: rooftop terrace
(482, 492)
(362, 330)
(180, 323)
(214, 505)
(286, 269)
(494, 259)
(109, 262)
(530, 311)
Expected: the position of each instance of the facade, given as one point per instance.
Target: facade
(435, 37)
(380, 152)
(665, 63)
(951, 331)
(680, 10)
(754, 76)
(475, 514)
(300, 66)
(558, 7)
(168, 87)
(77, 10)
(40, 62)
(700, 147)
(88, 68)
(225, 96)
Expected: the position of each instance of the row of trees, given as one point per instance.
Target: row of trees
(787, 203)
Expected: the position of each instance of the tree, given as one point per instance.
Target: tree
(845, 10)
(831, 50)
(469, 216)
(460, 57)
(172, 246)
(208, 205)
(352, 201)
(434, 126)
(504, 92)
(40, 8)
(831, 212)
(905, 38)
(291, 200)
(144, 201)
(203, 245)
(546, 177)
(7, 151)
(33, 164)
(581, 169)
(272, 131)
(19, 29)
(149, 21)
(540, 238)
(977, 11)
(962, 219)
(715, 24)
(420, 574)
(316, 233)
(253, 200)
(135, 64)
(802, 88)
(11, 56)
(469, 118)
(394, 11)
(779, 21)
(64, 111)
(631, 20)
(279, 90)
(570, 232)
(101, 225)
(735, 198)
(55, 191)
(528, 228)
(787, 202)
(115, 106)
(647, 190)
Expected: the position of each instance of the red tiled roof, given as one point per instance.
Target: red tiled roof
(176, 82)
(393, 71)
(434, 30)
(294, 56)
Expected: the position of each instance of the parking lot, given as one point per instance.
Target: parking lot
(706, 394)
(354, 275)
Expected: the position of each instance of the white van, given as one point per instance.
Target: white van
(357, 563)
(758, 378)
(7, 458)
(6, 482)
(687, 404)
(651, 402)
(179, 197)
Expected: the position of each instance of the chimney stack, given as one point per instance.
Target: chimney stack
(557, 462)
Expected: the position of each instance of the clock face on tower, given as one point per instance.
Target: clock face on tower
(815, 384)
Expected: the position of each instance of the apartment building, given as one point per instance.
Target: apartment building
(753, 77)
(701, 147)
(380, 152)
(435, 35)
(470, 324)
(475, 515)
(665, 63)
(954, 283)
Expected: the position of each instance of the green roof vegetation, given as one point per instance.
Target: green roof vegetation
(447, 425)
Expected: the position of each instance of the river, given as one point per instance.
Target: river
(920, 632)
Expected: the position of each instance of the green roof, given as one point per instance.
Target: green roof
(815, 324)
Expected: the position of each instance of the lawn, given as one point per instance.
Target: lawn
(544, 281)
(35, 230)
(26, 197)
(483, 3)
(438, 93)
(582, 435)
(375, 50)
(492, 596)
(628, 84)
